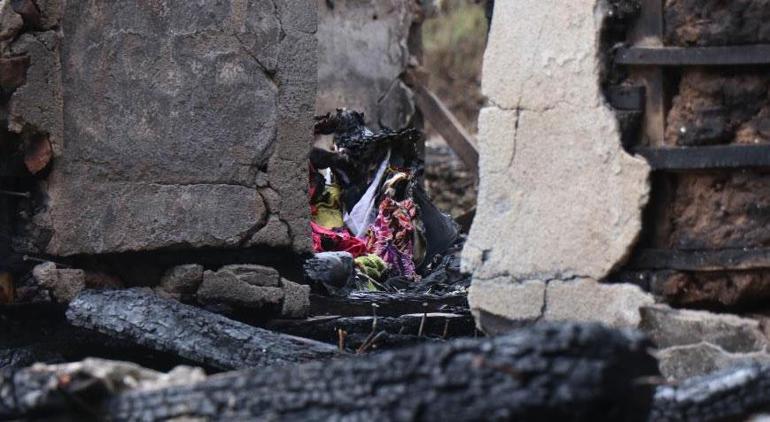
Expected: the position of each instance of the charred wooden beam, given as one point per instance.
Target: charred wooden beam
(326, 329)
(545, 373)
(446, 124)
(732, 394)
(701, 260)
(694, 56)
(166, 325)
(707, 158)
(548, 372)
(39, 332)
(387, 304)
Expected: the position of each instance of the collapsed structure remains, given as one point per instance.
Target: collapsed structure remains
(154, 207)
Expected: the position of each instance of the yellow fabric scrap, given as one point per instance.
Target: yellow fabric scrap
(328, 210)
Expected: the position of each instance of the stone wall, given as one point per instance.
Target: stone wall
(364, 48)
(171, 129)
(560, 201)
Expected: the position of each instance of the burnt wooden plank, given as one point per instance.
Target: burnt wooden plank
(694, 56)
(702, 260)
(325, 329)
(707, 158)
(447, 125)
(388, 304)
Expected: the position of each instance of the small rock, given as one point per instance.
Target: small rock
(616, 305)
(682, 362)
(256, 275)
(64, 283)
(10, 21)
(512, 303)
(181, 280)
(225, 288)
(296, 300)
(331, 269)
(670, 327)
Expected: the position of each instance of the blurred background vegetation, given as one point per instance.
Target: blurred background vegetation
(453, 46)
(453, 50)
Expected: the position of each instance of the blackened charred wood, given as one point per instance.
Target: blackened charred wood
(388, 304)
(694, 56)
(732, 394)
(543, 373)
(705, 158)
(701, 260)
(39, 332)
(437, 325)
(203, 337)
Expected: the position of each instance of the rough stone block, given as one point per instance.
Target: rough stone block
(616, 305)
(37, 105)
(165, 120)
(516, 302)
(256, 275)
(64, 283)
(296, 300)
(668, 327)
(225, 288)
(144, 216)
(182, 280)
(559, 198)
(682, 362)
(10, 23)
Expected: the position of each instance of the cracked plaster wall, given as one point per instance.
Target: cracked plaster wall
(172, 128)
(560, 201)
(364, 48)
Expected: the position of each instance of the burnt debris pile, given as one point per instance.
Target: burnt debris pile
(374, 227)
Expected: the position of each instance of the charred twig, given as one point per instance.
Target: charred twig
(19, 194)
(341, 334)
(422, 321)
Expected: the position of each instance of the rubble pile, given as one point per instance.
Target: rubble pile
(548, 372)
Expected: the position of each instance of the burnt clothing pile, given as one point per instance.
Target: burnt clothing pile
(367, 199)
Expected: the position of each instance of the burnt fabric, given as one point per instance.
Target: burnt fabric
(373, 181)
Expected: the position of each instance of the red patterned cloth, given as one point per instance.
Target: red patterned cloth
(336, 240)
(391, 237)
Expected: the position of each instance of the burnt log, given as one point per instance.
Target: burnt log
(547, 372)
(200, 336)
(732, 394)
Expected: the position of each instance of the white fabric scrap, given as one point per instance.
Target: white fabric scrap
(363, 213)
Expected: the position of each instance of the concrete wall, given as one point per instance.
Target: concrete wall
(171, 128)
(560, 202)
(364, 47)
